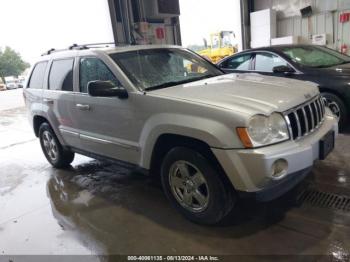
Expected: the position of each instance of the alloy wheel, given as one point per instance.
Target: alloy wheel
(189, 186)
(50, 145)
(333, 106)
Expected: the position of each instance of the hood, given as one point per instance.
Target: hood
(245, 93)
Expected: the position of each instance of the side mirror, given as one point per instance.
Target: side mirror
(283, 70)
(106, 89)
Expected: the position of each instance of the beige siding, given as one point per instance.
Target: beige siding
(323, 20)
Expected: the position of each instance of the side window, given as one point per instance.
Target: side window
(37, 77)
(93, 69)
(238, 63)
(61, 75)
(266, 62)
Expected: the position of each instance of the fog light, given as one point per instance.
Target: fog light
(279, 168)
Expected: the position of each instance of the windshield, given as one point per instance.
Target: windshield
(160, 68)
(315, 56)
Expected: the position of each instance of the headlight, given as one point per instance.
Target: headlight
(263, 130)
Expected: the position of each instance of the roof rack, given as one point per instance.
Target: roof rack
(79, 47)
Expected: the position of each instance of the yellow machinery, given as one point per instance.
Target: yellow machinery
(221, 46)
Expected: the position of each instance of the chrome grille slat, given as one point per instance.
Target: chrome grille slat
(289, 126)
(298, 123)
(314, 111)
(321, 108)
(318, 111)
(306, 118)
(312, 117)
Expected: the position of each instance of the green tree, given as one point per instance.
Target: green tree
(11, 63)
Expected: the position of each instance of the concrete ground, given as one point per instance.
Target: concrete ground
(101, 208)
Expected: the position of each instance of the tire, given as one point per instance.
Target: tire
(338, 107)
(203, 198)
(57, 156)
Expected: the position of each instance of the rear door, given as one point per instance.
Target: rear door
(58, 101)
(237, 64)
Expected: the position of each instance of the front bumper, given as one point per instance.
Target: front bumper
(250, 171)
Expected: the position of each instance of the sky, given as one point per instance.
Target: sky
(32, 27)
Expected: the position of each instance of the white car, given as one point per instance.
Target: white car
(12, 84)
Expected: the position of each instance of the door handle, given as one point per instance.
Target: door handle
(48, 101)
(83, 107)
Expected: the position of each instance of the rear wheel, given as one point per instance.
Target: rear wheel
(337, 106)
(195, 187)
(52, 149)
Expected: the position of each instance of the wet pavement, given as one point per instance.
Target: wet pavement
(102, 208)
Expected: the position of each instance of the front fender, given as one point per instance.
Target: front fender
(213, 133)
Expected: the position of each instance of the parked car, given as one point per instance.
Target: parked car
(2, 85)
(321, 65)
(211, 137)
(21, 81)
(11, 82)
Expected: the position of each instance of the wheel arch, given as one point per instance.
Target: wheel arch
(165, 142)
(37, 122)
(337, 93)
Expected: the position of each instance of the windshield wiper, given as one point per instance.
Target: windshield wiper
(174, 83)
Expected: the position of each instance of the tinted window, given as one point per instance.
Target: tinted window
(61, 75)
(238, 63)
(266, 62)
(37, 78)
(315, 56)
(93, 69)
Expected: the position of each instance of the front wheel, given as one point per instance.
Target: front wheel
(195, 187)
(337, 106)
(54, 152)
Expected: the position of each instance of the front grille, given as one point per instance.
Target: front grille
(306, 118)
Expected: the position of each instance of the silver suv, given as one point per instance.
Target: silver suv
(211, 138)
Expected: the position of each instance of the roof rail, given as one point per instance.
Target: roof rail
(79, 47)
(99, 44)
(49, 52)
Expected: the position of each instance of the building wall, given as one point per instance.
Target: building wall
(141, 22)
(324, 20)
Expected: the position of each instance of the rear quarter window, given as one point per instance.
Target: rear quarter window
(37, 78)
(61, 75)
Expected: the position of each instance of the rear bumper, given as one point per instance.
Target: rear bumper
(250, 171)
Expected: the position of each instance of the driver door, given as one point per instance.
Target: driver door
(105, 123)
